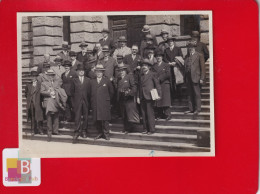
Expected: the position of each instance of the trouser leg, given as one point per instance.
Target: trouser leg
(78, 113)
(190, 92)
(49, 123)
(144, 116)
(166, 111)
(105, 128)
(68, 113)
(85, 118)
(99, 127)
(55, 123)
(197, 96)
(39, 126)
(150, 116)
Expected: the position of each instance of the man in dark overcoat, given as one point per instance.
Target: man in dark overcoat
(200, 46)
(74, 61)
(33, 103)
(101, 94)
(90, 66)
(80, 92)
(163, 44)
(195, 75)
(82, 56)
(126, 91)
(107, 40)
(163, 73)
(148, 82)
(170, 54)
(67, 78)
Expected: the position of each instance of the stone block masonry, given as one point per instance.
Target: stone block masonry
(27, 36)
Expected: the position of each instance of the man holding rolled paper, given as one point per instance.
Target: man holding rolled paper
(149, 90)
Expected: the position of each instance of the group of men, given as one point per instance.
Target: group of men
(137, 87)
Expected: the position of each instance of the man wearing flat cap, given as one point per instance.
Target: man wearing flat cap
(67, 78)
(74, 61)
(33, 103)
(80, 92)
(147, 87)
(195, 75)
(123, 49)
(109, 63)
(64, 54)
(107, 40)
(200, 46)
(82, 56)
(170, 55)
(146, 31)
(102, 92)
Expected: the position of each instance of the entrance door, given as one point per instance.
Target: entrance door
(128, 26)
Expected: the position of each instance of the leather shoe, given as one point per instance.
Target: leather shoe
(107, 138)
(187, 112)
(56, 133)
(196, 113)
(168, 118)
(144, 132)
(84, 135)
(149, 133)
(98, 137)
(75, 137)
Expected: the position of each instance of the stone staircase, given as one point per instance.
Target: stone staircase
(180, 134)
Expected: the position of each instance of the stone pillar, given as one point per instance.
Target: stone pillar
(204, 29)
(27, 49)
(47, 33)
(86, 28)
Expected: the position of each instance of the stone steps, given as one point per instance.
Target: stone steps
(128, 143)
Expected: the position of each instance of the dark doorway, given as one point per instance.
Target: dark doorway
(66, 28)
(189, 23)
(128, 26)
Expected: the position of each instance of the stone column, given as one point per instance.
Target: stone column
(27, 49)
(86, 28)
(204, 29)
(47, 33)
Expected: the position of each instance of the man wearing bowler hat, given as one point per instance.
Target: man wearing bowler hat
(122, 48)
(195, 75)
(109, 63)
(80, 91)
(64, 54)
(148, 82)
(74, 61)
(200, 46)
(170, 55)
(33, 103)
(101, 94)
(82, 56)
(67, 78)
(106, 40)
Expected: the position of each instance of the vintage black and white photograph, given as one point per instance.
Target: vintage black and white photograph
(115, 84)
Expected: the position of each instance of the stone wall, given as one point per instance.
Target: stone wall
(86, 28)
(204, 29)
(27, 48)
(47, 35)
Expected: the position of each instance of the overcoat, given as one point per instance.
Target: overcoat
(164, 76)
(75, 65)
(110, 43)
(82, 58)
(67, 81)
(133, 63)
(33, 94)
(65, 57)
(101, 95)
(109, 66)
(169, 56)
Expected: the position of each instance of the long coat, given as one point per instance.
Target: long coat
(33, 94)
(197, 66)
(169, 56)
(148, 82)
(101, 95)
(127, 82)
(82, 58)
(109, 65)
(67, 81)
(80, 92)
(164, 76)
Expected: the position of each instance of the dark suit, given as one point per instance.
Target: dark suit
(202, 49)
(82, 58)
(101, 95)
(110, 43)
(81, 94)
(109, 65)
(75, 64)
(133, 63)
(33, 105)
(194, 72)
(147, 83)
(163, 73)
(65, 57)
(126, 84)
(66, 85)
(169, 56)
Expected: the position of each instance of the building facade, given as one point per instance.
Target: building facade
(45, 34)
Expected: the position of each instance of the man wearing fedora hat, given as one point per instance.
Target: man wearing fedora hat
(67, 78)
(146, 31)
(170, 55)
(163, 44)
(80, 92)
(51, 102)
(109, 63)
(122, 48)
(148, 82)
(195, 75)
(74, 61)
(33, 103)
(102, 92)
(200, 46)
(163, 73)
(58, 68)
(107, 40)
(82, 56)
(126, 91)
(64, 54)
